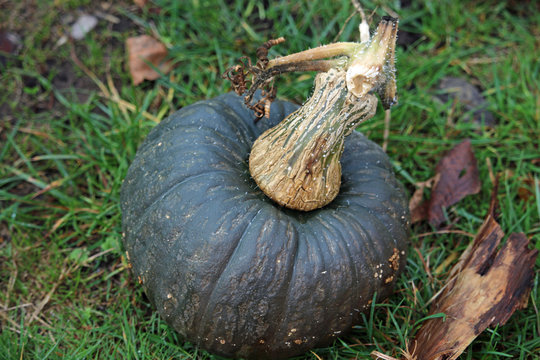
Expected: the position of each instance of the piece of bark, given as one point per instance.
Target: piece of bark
(143, 50)
(484, 289)
(456, 177)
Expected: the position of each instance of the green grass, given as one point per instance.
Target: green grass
(65, 291)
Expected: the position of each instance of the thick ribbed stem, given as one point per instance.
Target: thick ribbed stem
(297, 163)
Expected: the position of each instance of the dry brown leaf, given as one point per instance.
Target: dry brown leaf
(527, 186)
(484, 288)
(143, 50)
(418, 207)
(456, 177)
(140, 3)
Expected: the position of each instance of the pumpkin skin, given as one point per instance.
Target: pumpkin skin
(232, 271)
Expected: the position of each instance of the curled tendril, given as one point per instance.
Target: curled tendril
(261, 78)
(237, 75)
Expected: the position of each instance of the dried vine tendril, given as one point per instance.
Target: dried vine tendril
(260, 79)
(369, 65)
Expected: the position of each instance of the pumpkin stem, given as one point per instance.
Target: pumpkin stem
(296, 163)
(321, 52)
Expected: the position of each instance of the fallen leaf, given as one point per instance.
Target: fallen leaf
(484, 289)
(418, 207)
(143, 50)
(527, 186)
(140, 3)
(456, 177)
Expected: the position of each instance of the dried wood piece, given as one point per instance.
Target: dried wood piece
(484, 288)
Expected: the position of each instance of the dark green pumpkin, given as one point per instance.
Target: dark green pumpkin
(232, 271)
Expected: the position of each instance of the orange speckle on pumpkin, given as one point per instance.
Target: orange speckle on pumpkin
(394, 260)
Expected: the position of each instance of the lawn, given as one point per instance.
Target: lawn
(71, 121)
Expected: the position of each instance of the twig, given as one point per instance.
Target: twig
(93, 257)
(415, 290)
(390, 11)
(16, 307)
(449, 259)
(87, 71)
(44, 323)
(460, 232)
(10, 320)
(426, 264)
(336, 38)
(130, 107)
(490, 171)
(115, 94)
(379, 355)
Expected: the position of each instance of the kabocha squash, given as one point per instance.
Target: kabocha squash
(240, 274)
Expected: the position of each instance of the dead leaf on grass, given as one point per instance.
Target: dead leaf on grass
(527, 187)
(456, 177)
(143, 50)
(485, 287)
(140, 3)
(418, 207)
